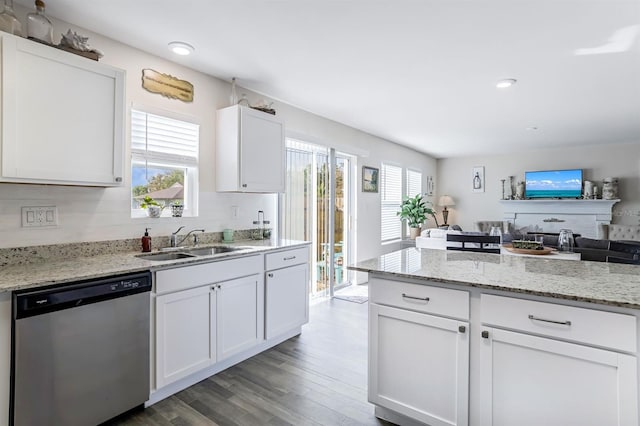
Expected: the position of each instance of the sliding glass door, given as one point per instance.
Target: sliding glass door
(316, 207)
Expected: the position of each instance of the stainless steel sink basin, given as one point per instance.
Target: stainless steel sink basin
(208, 251)
(165, 256)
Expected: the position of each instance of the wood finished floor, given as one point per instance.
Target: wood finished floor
(317, 378)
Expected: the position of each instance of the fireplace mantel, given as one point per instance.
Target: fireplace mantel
(584, 217)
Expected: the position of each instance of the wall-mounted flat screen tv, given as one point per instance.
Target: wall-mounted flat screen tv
(553, 184)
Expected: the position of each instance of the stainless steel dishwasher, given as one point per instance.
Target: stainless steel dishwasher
(80, 351)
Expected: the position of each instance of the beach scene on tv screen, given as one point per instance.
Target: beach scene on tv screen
(554, 184)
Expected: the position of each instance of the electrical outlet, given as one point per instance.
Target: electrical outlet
(235, 211)
(39, 216)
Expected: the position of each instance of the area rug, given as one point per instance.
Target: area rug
(355, 299)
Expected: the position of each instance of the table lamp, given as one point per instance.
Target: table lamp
(445, 201)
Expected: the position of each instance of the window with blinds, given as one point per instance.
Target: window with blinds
(414, 183)
(164, 163)
(390, 200)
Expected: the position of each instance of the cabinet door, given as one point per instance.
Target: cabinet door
(287, 299)
(240, 315)
(62, 117)
(262, 154)
(419, 365)
(185, 333)
(529, 380)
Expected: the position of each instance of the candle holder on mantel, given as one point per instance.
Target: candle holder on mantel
(503, 181)
(512, 187)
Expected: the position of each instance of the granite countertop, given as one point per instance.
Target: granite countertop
(22, 276)
(593, 282)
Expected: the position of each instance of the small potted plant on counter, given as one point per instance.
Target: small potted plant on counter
(415, 211)
(154, 208)
(177, 208)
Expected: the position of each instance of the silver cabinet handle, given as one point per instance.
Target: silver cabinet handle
(270, 275)
(531, 317)
(244, 185)
(485, 334)
(289, 258)
(406, 296)
(462, 329)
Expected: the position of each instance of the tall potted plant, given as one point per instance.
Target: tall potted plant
(414, 210)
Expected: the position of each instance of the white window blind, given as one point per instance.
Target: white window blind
(163, 138)
(413, 187)
(390, 200)
(414, 183)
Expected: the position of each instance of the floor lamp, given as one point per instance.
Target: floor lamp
(445, 201)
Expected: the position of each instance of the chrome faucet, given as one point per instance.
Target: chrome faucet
(174, 236)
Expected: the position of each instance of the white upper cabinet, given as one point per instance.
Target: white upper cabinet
(62, 117)
(250, 151)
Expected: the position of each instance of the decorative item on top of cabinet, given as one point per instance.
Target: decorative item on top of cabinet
(79, 106)
(39, 27)
(75, 43)
(250, 151)
(8, 21)
(263, 106)
(167, 85)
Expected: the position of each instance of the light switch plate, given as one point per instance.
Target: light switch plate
(39, 216)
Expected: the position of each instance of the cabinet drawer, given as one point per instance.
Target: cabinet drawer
(207, 273)
(420, 298)
(590, 326)
(286, 258)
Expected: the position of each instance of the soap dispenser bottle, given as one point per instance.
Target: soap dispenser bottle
(146, 241)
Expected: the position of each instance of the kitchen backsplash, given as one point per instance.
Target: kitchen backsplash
(43, 253)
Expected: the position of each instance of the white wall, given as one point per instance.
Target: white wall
(90, 214)
(598, 162)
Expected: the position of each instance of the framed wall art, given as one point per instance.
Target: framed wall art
(477, 179)
(370, 179)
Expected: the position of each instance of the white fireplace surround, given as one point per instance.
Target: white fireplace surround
(584, 217)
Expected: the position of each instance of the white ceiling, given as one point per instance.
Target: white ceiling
(421, 73)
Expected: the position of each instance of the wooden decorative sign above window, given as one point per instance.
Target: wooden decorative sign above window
(167, 85)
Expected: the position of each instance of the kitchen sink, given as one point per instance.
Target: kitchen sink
(208, 251)
(165, 256)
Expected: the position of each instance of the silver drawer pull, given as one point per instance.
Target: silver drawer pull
(406, 296)
(289, 258)
(531, 317)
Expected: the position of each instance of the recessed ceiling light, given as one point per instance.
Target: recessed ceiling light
(181, 48)
(507, 82)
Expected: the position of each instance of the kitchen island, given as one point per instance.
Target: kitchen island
(459, 338)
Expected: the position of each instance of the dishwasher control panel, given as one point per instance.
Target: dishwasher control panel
(35, 302)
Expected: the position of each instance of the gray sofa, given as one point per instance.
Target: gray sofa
(621, 243)
(597, 250)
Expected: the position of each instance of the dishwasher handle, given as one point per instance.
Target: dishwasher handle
(30, 303)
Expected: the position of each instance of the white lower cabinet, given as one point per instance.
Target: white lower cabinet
(419, 351)
(419, 365)
(286, 291)
(185, 333)
(198, 327)
(519, 361)
(287, 299)
(530, 381)
(240, 315)
(209, 316)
